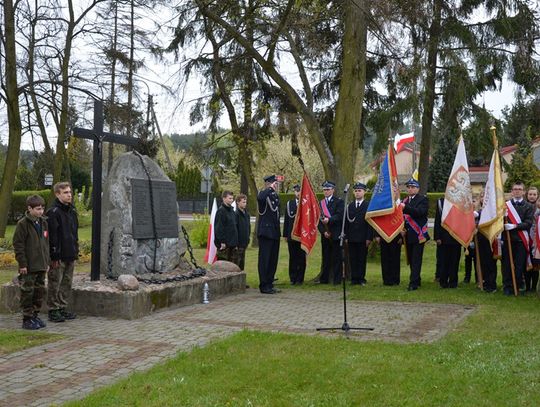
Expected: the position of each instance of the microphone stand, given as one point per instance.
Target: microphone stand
(345, 327)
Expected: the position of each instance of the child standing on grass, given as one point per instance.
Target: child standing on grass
(31, 244)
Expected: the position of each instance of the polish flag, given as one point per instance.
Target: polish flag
(211, 249)
(401, 139)
(458, 210)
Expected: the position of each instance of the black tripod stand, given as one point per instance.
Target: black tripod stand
(345, 327)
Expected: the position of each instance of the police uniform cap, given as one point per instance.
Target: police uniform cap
(328, 185)
(359, 185)
(412, 183)
(296, 187)
(270, 178)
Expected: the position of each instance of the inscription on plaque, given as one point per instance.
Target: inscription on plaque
(164, 199)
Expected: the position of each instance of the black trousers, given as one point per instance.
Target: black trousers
(438, 263)
(470, 263)
(531, 280)
(520, 264)
(331, 261)
(268, 259)
(297, 262)
(450, 256)
(357, 261)
(487, 263)
(390, 262)
(416, 253)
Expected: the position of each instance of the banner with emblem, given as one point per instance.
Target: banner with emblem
(383, 213)
(458, 210)
(307, 217)
(491, 222)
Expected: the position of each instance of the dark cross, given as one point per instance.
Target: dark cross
(98, 136)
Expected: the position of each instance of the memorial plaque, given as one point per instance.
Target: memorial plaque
(164, 197)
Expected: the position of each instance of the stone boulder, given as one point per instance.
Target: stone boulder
(121, 253)
(225, 266)
(127, 282)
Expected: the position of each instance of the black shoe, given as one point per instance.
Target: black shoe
(39, 321)
(276, 290)
(412, 288)
(56, 316)
(271, 291)
(68, 315)
(30, 324)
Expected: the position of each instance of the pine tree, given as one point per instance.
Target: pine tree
(522, 167)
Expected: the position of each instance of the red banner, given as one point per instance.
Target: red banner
(307, 217)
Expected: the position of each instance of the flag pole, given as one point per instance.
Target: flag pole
(479, 275)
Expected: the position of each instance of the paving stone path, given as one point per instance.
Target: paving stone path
(98, 351)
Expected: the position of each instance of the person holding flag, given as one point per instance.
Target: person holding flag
(268, 233)
(297, 257)
(226, 229)
(455, 226)
(385, 216)
(244, 229)
(306, 220)
(518, 220)
(332, 209)
(415, 209)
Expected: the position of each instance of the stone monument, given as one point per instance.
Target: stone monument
(139, 229)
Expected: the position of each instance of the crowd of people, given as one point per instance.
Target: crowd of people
(516, 248)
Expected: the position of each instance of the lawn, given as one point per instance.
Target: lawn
(13, 341)
(493, 358)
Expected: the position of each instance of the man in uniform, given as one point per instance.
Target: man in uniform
(519, 219)
(332, 209)
(359, 234)
(415, 211)
(225, 229)
(268, 233)
(450, 251)
(297, 257)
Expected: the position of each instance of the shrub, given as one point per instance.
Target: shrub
(18, 202)
(198, 233)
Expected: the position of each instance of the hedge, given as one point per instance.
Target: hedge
(18, 202)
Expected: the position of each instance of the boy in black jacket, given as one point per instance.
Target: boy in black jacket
(244, 229)
(31, 245)
(225, 230)
(64, 250)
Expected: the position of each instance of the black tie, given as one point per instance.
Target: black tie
(357, 204)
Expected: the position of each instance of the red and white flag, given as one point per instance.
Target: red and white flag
(458, 210)
(211, 249)
(307, 217)
(401, 139)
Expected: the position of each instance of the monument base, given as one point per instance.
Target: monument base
(104, 299)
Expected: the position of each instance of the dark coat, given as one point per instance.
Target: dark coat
(31, 244)
(525, 211)
(357, 230)
(440, 233)
(336, 207)
(268, 207)
(225, 229)
(417, 209)
(290, 215)
(244, 227)
(63, 231)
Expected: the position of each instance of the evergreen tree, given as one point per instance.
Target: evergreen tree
(522, 167)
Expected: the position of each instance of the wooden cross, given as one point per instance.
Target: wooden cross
(98, 136)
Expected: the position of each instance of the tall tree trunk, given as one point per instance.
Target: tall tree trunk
(64, 109)
(429, 96)
(13, 114)
(112, 98)
(131, 69)
(31, 86)
(345, 140)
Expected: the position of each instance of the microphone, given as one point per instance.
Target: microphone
(346, 188)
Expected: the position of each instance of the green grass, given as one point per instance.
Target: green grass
(15, 340)
(493, 358)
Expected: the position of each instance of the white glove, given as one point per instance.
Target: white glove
(509, 226)
(476, 214)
